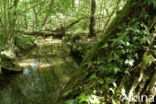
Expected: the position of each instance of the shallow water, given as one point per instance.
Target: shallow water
(42, 78)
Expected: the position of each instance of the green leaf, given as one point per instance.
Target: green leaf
(110, 80)
(83, 98)
(148, 39)
(136, 55)
(105, 45)
(93, 76)
(67, 92)
(116, 70)
(152, 2)
(101, 81)
(147, 60)
(142, 41)
(71, 101)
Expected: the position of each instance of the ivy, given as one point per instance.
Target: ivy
(147, 60)
(151, 2)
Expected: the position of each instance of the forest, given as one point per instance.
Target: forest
(77, 51)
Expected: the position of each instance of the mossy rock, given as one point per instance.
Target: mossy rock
(9, 63)
(24, 43)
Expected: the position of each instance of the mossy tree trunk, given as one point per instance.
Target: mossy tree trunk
(134, 12)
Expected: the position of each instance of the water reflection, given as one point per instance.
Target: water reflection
(40, 83)
(34, 66)
(35, 86)
(26, 71)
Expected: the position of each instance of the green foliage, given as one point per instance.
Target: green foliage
(151, 2)
(83, 98)
(121, 53)
(71, 101)
(127, 44)
(79, 44)
(67, 92)
(148, 60)
(101, 81)
(93, 76)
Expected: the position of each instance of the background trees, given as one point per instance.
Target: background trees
(56, 18)
(50, 15)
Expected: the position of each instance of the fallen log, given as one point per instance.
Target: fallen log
(42, 33)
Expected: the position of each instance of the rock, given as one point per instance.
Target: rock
(9, 62)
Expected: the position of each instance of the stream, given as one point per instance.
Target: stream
(46, 70)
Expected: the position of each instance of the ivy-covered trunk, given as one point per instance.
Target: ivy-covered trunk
(122, 65)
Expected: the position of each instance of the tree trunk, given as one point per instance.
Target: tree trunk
(51, 6)
(73, 3)
(6, 22)
(9, 21)
(92, 19)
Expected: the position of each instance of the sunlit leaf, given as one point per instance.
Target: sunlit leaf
(129, 62)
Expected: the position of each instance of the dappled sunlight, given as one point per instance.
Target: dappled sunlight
(48, 42)
(46, 65)
(25, 62)
(40, 65)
